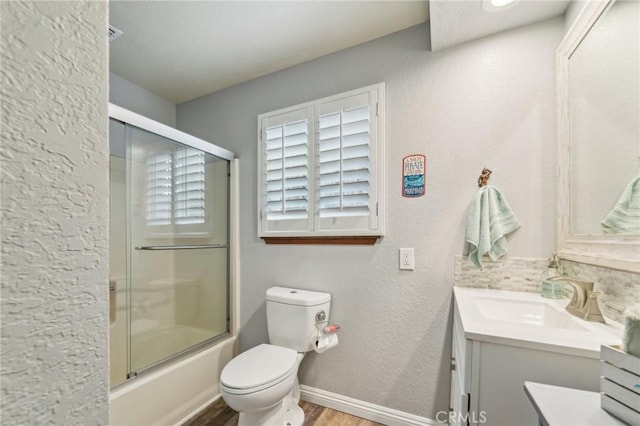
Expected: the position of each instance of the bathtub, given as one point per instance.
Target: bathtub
(163, 342)
(172, 394)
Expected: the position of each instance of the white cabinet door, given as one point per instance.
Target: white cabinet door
(459, 400)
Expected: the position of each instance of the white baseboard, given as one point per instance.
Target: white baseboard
(355, 407)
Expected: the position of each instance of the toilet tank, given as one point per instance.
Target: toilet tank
(291, 316)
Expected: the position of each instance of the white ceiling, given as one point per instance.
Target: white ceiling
(181, 49)
(454, 22)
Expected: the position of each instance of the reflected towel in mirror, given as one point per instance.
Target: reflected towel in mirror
(490, 221)
(624, 218)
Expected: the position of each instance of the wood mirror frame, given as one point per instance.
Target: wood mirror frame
(609, 250)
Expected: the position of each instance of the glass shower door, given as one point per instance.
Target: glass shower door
(178, 245)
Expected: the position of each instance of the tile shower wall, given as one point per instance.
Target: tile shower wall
(619, 289)
(508, 273)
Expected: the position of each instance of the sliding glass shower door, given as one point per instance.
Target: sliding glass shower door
(169, 243)
(178, 245)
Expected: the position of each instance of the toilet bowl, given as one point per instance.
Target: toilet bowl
(262, 383)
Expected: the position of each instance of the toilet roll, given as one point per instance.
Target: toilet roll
(326, 342)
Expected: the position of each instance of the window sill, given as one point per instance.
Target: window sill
(343, 241)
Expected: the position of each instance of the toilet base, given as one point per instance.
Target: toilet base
(277, 415)
(286, 412)
(294, 416)
(272, 416)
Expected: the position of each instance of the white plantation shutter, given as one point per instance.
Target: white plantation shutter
(176, 188)
(321, 167)
(159, 182)
(286, 171)
(344, 175)
(189, 187)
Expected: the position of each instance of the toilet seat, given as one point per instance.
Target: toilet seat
(258, 368)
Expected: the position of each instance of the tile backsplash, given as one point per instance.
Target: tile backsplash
(619, 288)
(507, 273)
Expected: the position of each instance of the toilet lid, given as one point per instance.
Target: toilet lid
(258, 366)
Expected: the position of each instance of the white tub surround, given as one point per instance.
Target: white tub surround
(529, 320)
(172, 394)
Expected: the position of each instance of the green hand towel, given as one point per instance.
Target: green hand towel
(624, 218)
(490, 221)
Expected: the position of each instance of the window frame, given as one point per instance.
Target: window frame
(313, 234)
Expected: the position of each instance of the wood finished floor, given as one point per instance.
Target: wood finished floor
(219, 414)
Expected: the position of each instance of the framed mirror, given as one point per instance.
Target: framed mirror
(599, 136)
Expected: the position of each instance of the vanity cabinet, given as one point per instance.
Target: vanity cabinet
(461, 350)
(488, 373)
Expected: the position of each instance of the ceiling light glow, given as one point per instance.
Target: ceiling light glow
(501, 3)
(496, 6)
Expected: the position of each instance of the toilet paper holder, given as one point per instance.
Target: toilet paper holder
(324, 328)
(326, 337)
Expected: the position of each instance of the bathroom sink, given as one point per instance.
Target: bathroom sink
(538, 313)
(531, 321)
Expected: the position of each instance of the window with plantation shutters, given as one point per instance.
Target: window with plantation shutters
(287, 170)
(175, 188)
(320, 167)
(159, 188)
(189, 187)
(285, 177)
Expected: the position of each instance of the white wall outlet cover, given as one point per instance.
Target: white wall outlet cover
(406, 259)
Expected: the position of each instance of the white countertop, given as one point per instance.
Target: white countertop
(558, 406)
(488, 322)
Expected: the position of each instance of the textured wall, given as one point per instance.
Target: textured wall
(54, 213)
(489, 103)
(134, 98)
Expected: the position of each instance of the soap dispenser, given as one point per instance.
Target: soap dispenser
(552, 288)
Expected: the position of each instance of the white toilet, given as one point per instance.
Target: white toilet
(262, 383)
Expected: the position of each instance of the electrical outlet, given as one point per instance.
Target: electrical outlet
(406, 259)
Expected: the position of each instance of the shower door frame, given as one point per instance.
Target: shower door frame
(129, 117)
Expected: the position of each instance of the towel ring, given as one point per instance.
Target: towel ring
(484, 177)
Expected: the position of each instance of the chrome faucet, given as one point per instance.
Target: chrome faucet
(584, 302)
